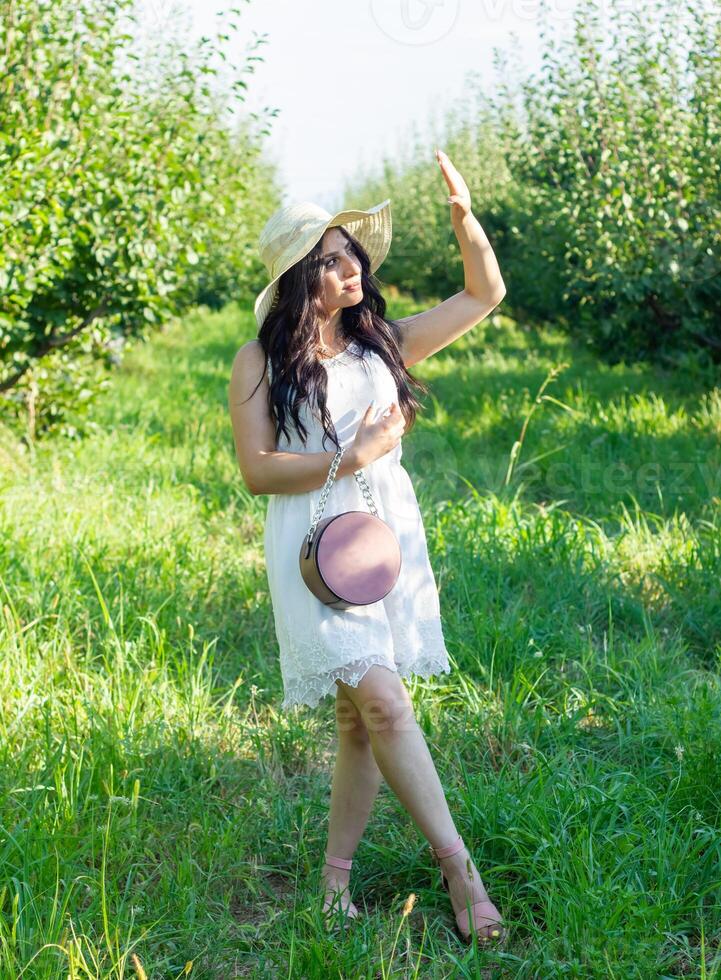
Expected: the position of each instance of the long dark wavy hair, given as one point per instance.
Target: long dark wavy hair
(290, 333)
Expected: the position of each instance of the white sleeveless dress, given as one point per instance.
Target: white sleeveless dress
(403, 631)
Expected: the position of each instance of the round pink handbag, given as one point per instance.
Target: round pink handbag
(352, 558)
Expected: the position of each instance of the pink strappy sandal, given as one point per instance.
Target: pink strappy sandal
(330, 910)
(484, 914)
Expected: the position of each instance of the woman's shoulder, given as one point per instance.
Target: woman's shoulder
(248, 368)
(251, 352)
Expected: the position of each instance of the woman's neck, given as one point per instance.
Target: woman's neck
(330, 341)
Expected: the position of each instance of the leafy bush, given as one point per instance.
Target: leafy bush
(618, 210)
(125, 196)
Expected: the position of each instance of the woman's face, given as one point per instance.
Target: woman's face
(341, 270)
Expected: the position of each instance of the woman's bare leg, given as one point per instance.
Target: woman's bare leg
(404, 759)
(400, 751)
(356, 781)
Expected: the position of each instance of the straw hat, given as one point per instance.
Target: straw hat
(292, 231)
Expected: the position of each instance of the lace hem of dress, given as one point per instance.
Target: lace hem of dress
(312, 688)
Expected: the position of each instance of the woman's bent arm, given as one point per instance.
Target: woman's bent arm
(265, 469)
(281, 472)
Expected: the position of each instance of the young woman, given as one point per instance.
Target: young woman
(325, 353)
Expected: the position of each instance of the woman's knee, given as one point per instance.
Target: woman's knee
(349, 720)
(382, 701)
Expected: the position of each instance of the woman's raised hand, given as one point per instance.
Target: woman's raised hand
(460, 196)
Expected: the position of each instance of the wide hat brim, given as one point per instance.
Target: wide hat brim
(373, 229)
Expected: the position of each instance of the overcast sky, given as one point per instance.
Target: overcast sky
(352, 79)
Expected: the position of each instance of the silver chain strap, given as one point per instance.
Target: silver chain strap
(362, 482)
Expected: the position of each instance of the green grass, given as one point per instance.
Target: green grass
(155, 803)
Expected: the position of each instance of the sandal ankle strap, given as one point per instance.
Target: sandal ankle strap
(337, 862)
(442, 852)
